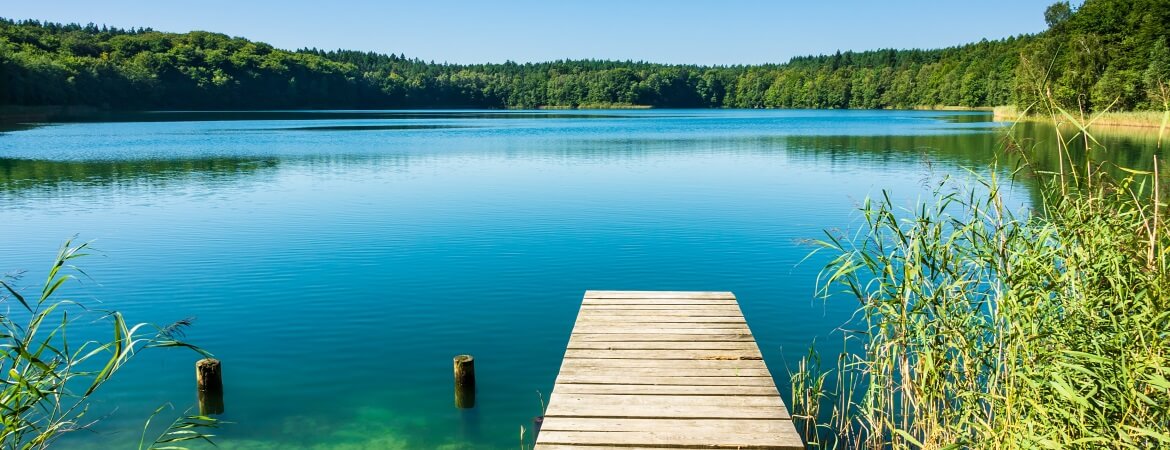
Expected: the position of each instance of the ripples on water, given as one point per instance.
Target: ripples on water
(335, 272)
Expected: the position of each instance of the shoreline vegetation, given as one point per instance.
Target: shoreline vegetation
(1104, 54)
(18, 114)
(1107, 119)
(982, 327)
(595, 106)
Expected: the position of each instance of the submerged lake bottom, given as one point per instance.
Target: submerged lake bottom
(336, 261)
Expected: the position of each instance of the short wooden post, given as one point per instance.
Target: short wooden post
(464, 381)
(209, 374)
(209, 379)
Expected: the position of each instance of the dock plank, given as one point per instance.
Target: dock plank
(671, 411)
(656, 303)
(666, 328)
(663, 400)
(660, 354)
(654, 345)
(614, 313)
(660, 294)
(731, 309)
(610, 364)
(677, 372)
(664, 369)
(687, 381)
(661, 337)
(663, 437)
(649, 389)
(641, 318)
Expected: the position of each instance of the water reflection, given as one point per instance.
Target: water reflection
(967, 149)
(370, 128)
(1133, 148)
(22, 122)
(21, 174)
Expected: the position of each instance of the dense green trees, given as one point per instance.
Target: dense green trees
(1096, 55)
(1099, 55)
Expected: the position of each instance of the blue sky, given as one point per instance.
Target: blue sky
(678, 31)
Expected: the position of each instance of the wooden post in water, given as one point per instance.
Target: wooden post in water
(209, 379)
(464, 381)
(209, 374)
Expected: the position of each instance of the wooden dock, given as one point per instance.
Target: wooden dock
(656, 369)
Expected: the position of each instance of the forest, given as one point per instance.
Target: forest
(1101, 54)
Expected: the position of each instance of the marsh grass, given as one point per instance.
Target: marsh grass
(1104, 122)
(982, 327)
(48, 378)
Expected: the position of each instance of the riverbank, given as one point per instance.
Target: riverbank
(13, 114)
(596, 106)
(951, 108)
(1132, 119)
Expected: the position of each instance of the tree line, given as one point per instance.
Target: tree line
(1103, 53)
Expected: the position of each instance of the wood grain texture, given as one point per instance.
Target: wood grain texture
(672, 295)
(664, 369)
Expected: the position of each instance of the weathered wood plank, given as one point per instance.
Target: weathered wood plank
(736, 439)
(664, 354)
(662, 401)
(593, 447)
(637, 345)
(641, 318)
(661, 303)
(661, 337)
(648, 389)
(673, 372)
(665, 328)
(667, 411)
(660, 294)
(658, 306)
(656, 447)
(660, 380)
(587, 324)
(628, 424)
(613, 364)
(589, 313)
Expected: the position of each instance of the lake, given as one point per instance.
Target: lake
(336, 261)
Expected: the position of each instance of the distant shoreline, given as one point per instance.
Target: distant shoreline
(10, 115)
(18, 114)
(598, 106)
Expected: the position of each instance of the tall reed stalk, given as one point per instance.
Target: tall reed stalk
(982, 327)
(47, 378)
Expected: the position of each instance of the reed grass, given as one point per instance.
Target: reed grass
(1105, 121)
(48, 378)
(982, 327)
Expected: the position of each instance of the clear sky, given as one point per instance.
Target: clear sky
(668, 31)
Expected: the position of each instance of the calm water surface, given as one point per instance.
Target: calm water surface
(336, 261)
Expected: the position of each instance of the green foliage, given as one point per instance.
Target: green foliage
(1096, 57)
(1157, 75)
(982, 328)
(1092, 57)
(53, 64)
(1057, 13)
(49, 379)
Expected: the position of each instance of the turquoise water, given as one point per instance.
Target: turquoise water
(336, 261)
